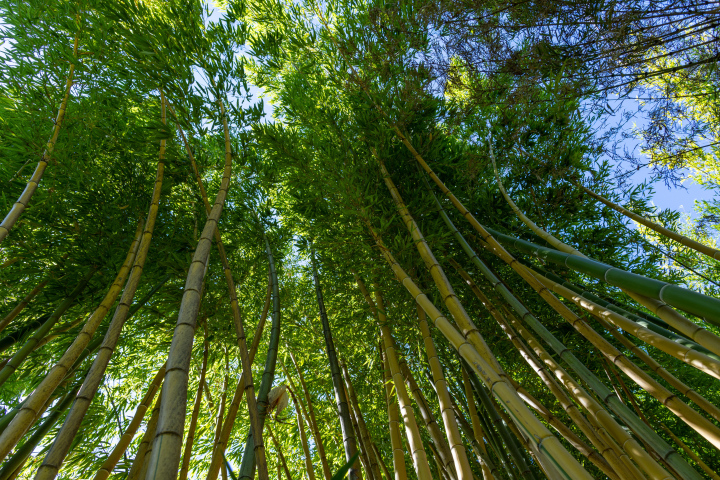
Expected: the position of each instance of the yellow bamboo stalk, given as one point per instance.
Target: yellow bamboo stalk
(23, 303)
(278, 448)
(384, 467)
(451, 428)
(312, 420)
(219, 448)
(55, 456)
(127, 436)
(679, 322)
(538, 231)
(712, 474)
(187, 454)
(22, 202)
(534, 429)
(683, 353)
(420, 462)
(363, 432)
(364, 454)
(393, 421)
(221, 408)
(683, 240)
(303, 438)
(467, 327)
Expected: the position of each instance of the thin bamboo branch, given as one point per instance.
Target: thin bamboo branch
(23, 303)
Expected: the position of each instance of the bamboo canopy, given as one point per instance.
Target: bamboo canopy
(366, 240)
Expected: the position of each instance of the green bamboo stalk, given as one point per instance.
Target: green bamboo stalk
(363, 450)
(303, 438)
(254, 443)
(703, 306)
(637, 426)
(22, 202)
(476, 433)
(364, 433)
(58, 451)
(349, 441)
(19, 357)
(666, 232)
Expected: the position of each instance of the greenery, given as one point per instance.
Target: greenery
(354, 213)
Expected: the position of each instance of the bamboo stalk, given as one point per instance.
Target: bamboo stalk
(146, 442)
(398, 451)
(107, 467)
(451, 429)
(167, 448)
(312, 420)
(477, 430)
(420, 461)
(658, 444)
(187, 453)
(303, 438)
(221, 408)
(22, 202)
(709, 471)
(666, 232)
(384, 467)
(53, 460)
(219, 448)
(19, 357)
(349, 441)
(441, 445)
(23, 303)
(255, 444)
(249, 383)
(363, 449)
(362, 426)
(278, 448)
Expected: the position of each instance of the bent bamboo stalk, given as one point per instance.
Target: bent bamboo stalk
(107, 467)
(22, 202)
(53, 460)
(681, 239)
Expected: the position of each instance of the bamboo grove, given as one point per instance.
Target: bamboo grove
(418, 255)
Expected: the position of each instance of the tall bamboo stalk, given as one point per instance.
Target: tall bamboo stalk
(23, 303)
(282, 461)
(420, 461)
(303, 438)
(477, 430)
(254, 443)
(398, 451)
(22, 202)
(658, 444)
(146, 442)
(187, 453)
(363, 430)
(53, 460)
(167, 448)
(666, 232)
(363, 450)
(446, 411)
(319, 445)
(19, 357)
(109, 464)
(349, 442)
(219, 449)
(246, 362)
